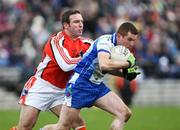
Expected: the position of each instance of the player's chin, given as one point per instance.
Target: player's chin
(80, 33)
(130, 47)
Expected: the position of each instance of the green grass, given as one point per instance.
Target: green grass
(144, 118)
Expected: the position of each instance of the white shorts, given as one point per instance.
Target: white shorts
(41, 94)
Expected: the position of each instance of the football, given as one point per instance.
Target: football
(120, 53)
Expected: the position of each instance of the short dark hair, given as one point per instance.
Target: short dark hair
(127, 27)
(67, 14)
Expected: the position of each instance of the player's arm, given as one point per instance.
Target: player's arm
(106, 64)
(118, 73)
(114, 67)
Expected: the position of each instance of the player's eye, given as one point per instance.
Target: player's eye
(78, 21)
(130, 39)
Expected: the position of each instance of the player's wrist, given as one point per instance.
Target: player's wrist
(132, 60)
(130, 64)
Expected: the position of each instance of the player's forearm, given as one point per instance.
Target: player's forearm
(67, 63)
(111, 65)
(116, 72)
(66, 67)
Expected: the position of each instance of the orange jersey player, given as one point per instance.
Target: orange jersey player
(45, 90)
(60, 56)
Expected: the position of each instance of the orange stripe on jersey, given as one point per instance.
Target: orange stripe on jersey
(58, 37)
(30, 82)
(59, 47)
(61, 51)
(66, 59)
(60, 34)
(22, 100)
(81, 128)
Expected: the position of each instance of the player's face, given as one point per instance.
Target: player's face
(76, 25)
(129, 40)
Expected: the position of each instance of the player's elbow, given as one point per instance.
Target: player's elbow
(66, 69)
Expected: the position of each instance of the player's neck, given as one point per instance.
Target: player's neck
(73, 37)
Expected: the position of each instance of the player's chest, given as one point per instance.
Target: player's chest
(73, 48)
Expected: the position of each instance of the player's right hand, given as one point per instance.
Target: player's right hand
(132, 60)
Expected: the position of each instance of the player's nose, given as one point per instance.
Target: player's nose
(81, 24)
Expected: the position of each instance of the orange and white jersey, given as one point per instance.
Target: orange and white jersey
(60, 56)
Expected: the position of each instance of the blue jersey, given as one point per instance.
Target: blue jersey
(86, 85)
(88, 67)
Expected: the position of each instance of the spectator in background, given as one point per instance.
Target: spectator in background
(175, 70)
(126, 89)
(4, 56)
(89, 9)
(38, 32)
(159, 22)
(104, 25)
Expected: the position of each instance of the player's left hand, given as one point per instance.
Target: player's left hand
(131, 73)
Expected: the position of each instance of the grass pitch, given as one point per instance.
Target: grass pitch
(144, 118)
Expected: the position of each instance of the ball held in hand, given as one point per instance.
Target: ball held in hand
(120, 53)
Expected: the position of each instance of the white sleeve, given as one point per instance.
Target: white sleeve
(62, 57)
(103, 45)
(86, 40)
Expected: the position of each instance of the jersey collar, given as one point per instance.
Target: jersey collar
(69, 38)
(113, 39)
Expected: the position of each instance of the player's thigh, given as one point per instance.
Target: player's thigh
(68, 115)
(56, 110)
(28, 115)
(57, 102)
(111, 103)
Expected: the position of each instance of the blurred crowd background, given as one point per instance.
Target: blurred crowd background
(25, 26)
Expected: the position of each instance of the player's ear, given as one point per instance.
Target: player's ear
(119, 37)
(65, 25)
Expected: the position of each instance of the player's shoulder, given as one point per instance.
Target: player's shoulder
(60, 34)
(57, 35)
(105, 38)
(86, 40)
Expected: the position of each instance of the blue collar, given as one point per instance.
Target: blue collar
(113, 39)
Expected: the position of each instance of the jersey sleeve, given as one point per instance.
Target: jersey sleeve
(61, 55)
(103, 45)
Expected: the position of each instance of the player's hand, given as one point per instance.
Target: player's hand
(132, 60)
(131, 73)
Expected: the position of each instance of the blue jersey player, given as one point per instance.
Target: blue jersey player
(86, 87)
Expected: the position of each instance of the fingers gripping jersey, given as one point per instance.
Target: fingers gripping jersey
(87, 42)
(60, 56)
